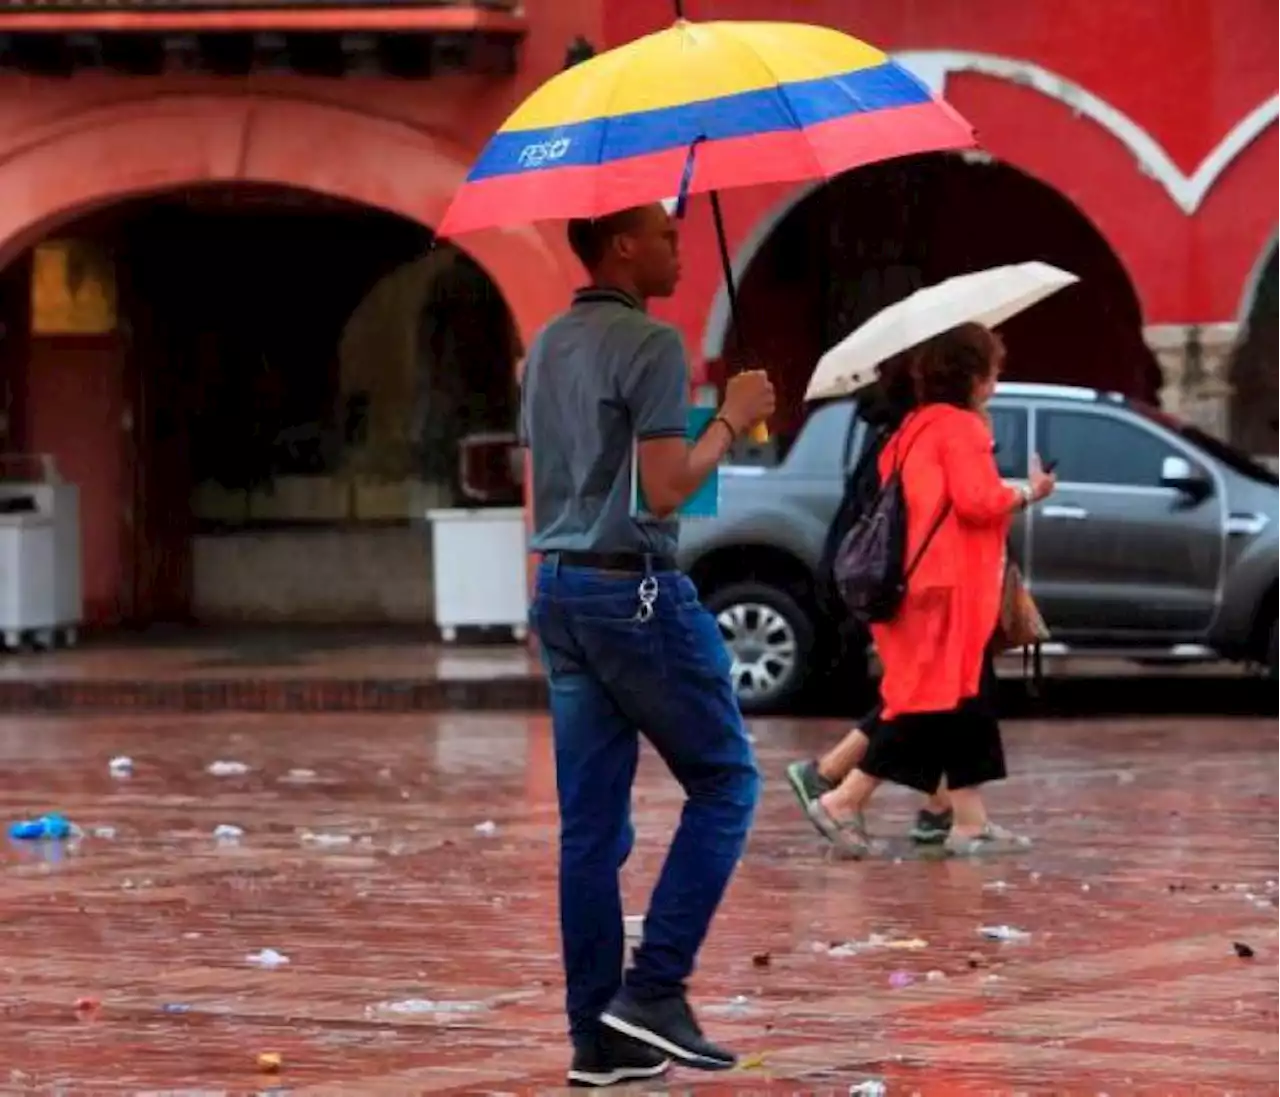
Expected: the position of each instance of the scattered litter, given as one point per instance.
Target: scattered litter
(752, 1062)
(872, 1088)
(1245, 952)
(192, 936)
(270, 1062)
(488, 828)
(737, 1006)
(104, 832)
(268, 958)
(87, 1005)
(996, 885)
(1085, 887)
(935, 976)
(874, 941)
(121, 766)
(975, 960)
(313, 839)
(228, 834)
(48, 827)
(900, 979)
(428, 1005)
(761, 959)
(1004, 933)
(175, 1007)
(300, 776)
(227, 769)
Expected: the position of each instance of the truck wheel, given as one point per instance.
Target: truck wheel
(1272, 674)
(769, 639)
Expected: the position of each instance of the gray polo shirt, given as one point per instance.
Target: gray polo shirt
(596, 379)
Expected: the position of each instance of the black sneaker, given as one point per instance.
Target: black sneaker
(614, 1059)
(932, 828)
(669, 1026)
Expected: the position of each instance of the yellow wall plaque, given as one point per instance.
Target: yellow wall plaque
(73, 289)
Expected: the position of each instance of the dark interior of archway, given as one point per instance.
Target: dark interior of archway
(873, 236)
(232, 306)
(1253, 371)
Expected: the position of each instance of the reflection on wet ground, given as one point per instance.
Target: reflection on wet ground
(377, 912)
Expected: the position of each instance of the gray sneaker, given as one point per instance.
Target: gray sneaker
(991, 839)
(931, 827)
(849, 837)
(808, 784)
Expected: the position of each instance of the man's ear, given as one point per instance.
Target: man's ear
(624, 245)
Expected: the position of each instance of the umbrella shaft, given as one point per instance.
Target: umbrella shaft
(726, 265)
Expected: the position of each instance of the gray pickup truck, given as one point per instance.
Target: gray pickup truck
(1159, 543)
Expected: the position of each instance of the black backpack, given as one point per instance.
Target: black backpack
(871, 571)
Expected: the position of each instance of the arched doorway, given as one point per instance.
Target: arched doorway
(1252, 372)
(873, 236)
(89, 181)
(192, 362)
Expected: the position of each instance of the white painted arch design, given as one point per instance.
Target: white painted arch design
(1254, 281)
(934, 67)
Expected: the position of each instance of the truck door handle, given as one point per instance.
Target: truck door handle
(1241, 524)
(1073, 514)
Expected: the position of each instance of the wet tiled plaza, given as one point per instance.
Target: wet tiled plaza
(404, 867)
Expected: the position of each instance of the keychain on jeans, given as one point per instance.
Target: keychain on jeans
(648, 592)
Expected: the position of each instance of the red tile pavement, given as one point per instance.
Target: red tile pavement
(1156, 850)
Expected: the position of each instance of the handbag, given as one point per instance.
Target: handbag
(1021, 624)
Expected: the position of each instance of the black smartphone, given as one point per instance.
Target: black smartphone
(1050, 465)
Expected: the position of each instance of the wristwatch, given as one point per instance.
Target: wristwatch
(1028, 495)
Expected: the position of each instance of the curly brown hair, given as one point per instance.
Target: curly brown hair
(949, 367)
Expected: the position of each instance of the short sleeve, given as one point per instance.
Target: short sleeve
(655, 388)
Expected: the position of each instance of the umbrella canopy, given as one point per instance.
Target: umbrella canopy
(988, 297)
(700, 107)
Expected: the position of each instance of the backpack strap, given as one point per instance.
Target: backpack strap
(943, 511)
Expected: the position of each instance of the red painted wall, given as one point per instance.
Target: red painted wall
(1187, 72)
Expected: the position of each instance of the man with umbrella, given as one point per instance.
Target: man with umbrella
(627, 645)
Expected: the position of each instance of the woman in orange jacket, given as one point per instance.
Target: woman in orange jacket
(938, 685)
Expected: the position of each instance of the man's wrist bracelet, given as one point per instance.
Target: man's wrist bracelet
(733, 434)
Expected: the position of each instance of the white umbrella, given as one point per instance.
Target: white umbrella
(987, 297)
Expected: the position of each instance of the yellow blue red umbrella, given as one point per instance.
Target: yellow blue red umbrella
(700, 107)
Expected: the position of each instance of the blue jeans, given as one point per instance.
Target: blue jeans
(614, 674)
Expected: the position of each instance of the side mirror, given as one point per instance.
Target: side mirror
(1181, 475)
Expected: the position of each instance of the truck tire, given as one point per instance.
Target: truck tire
(1272, 674)
(770, 640)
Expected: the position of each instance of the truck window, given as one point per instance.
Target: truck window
(1009, 428)
(1100, 449)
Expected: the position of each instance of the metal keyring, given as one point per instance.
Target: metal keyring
(648, 594)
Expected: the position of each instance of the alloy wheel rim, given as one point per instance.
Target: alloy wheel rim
(762, 648)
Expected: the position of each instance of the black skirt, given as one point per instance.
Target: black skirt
(918, 749)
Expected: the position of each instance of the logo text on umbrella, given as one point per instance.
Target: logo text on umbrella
(544, 152)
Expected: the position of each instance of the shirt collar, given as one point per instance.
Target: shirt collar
(594, 294)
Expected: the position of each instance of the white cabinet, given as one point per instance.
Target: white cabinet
(40, 583)
(478, 561)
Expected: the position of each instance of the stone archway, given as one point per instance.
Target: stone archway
(835, 254)
(71, 166)
(1252, 374)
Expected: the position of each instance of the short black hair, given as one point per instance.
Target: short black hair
(589, 237)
